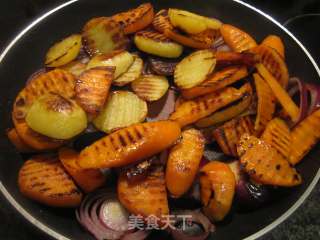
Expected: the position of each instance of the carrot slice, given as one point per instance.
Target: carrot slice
(16, 140)
(284, 99)
(236, 38)
(274, 42)
(265, 165)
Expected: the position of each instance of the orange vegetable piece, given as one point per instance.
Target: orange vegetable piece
(88, 179)
(129, 145)
(183, 162)
(274, 42)
(217, 188)
(15, 139)
(225, 59)
(264, 164)
(236, 38)
(135, 19)
(216, 81)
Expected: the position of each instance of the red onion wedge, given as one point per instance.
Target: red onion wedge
(314, 97)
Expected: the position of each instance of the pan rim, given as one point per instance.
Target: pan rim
(46, 229)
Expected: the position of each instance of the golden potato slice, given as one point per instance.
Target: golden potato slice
(92, 88)
(121, 60)
(156, 43)
(132, 74)
(103, 35)
(64, 51)
(194, 69)
(191, 23)
(75, 67)
(56, 81)
(43, 179)
(150, 87)
(123, 108)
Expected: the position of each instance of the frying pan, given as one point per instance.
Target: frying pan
(26, 52)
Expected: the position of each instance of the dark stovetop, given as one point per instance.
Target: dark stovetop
(304, 224)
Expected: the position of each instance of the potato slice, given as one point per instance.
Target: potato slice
(192, 23)
(278, 135)
(156, 43)
(92, 88)
(88, 179)
(274, 42)
(193, 110)
(103, 35)
(64, 51)
(237, 39)
(265, 165)
(121, 60)
(56, 81)
(123, 108)
(56, 117)
(75, 67)
(43, 179)
(194, 69)
(129, 145)
(16, 140)
(150, 87)
(216, 81)
(183, 162)
(145, 198)
(132, 74)
(275, 64)
(135, 19)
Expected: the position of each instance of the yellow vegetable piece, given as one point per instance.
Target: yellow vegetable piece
(132, 74)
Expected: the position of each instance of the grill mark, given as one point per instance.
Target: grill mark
(113, 142)
(138, 134)
(38, 184)
(122, 140)
(129, 135)
(44, 189)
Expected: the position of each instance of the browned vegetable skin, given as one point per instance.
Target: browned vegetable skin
(229, 134)
(304, 136)
(191, 111)
(225, 59)
(43, 179)
(183, 162)
(264, 164)
(216, 81)
(276, 43)
(129, 145)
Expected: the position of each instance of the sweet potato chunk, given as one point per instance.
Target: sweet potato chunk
(264, 164)
(43, 179)
(129, 145)
(183, 162)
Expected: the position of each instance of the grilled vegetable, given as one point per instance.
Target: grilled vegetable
(135, 19)
(264, 164)
(208, 36)
(156, 43)
(274, 42)
(216, 81)
(16, 140)
(145, 198)
(236, 38)
(64, 51)
(266, 103)
(75, 67)
(122, 109)
(225, 59)
(133, 73)
(278, 135)
(192, 111)
(87, 179)
(161, 21)
(129, 145)
(163, 66)
(190, 22)
(304, 136)
(103, 35)
(226, 114)
(183, 162)
(282, 96)
(92, 88)
(150, 87)
(275, 64)
(229, 134)
(194, 69)
(121, 60)
(33, 139)
(57, 117)
(43, 179)
(217, 187)
(56, 81)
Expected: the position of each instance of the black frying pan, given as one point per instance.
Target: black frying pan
(25, 54)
